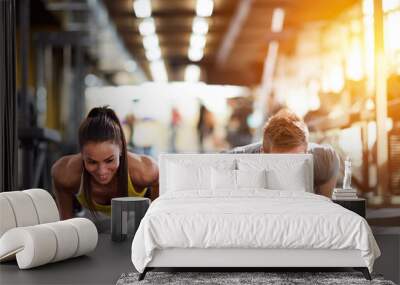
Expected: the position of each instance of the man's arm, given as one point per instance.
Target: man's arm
(326, 189)
(326, 168)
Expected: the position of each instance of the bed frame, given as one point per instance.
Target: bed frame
(242, 259)
(246, 258)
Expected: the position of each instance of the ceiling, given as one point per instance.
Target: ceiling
(244, 61)
(239, 64)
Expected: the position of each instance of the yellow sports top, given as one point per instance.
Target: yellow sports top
(106, 209)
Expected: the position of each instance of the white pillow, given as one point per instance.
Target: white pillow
(293, 180)
(251, 178)
(185, 175)
(223, 179)
(235, 179)
(282, 172)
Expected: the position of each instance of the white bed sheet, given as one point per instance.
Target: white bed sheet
(251, 218)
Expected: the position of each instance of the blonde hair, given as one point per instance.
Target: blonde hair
(284, 130)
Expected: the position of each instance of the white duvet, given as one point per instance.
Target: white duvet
(253, 218)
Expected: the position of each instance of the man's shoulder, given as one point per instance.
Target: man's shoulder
(250, 148)
(321, 149)
(326, 162)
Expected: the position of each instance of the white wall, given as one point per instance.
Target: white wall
(155, 100)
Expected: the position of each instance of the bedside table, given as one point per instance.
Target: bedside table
(355, 205)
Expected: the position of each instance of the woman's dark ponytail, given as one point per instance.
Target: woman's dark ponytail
(101, 125)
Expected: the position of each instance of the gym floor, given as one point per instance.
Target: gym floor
(102, 266)
(110, 259)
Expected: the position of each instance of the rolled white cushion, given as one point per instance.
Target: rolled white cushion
(87, 235)
(46, 208)
(40, 244)
(67, 239)
(33, 246)
(7, 218)
(23, 208)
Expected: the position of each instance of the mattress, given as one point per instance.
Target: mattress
(250, 219)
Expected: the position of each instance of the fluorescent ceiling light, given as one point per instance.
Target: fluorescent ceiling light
(147, 27)
(153, 54)
(142, 8)
(158, 71)
(200, 26)
(204, 8)
(277, 20)
(195, 54)
(197, 41)
(150, 42)
(192, 73)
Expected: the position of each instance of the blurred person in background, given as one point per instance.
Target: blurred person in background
(176, 120)
(128, 128)
(238, 131)
(145, 136)
(102, 170)
(285, 132)
(205, 127)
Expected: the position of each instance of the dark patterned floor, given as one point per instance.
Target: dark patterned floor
(228, 278)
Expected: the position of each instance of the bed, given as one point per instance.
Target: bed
(246, 210)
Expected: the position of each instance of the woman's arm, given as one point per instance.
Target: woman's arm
(154, 192)
(143, 171)
(66, 175)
